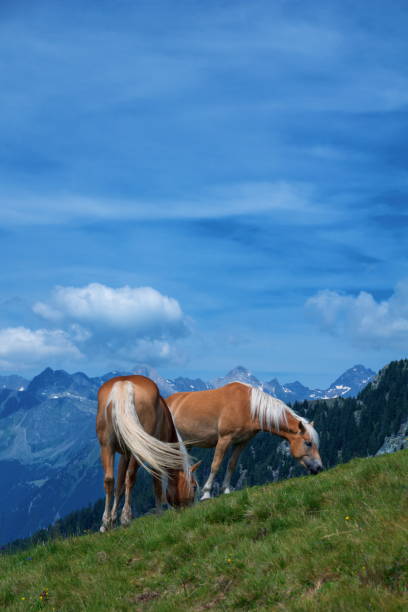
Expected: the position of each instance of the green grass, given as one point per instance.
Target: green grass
(337, 541)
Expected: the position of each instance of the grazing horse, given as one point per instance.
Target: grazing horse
(134, 420)
(231, 416)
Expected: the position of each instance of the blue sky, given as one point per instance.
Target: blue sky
(200, 185)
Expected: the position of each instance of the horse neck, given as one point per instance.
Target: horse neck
(286, 429)
(291, 426)
(174, 476)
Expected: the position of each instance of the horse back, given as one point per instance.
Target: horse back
(147, 403)
(205, 415)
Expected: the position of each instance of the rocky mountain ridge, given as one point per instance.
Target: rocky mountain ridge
(348, 384)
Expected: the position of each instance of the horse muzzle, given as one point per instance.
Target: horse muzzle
(313, 466)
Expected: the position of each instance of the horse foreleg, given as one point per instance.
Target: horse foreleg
(126, 515)
(232, 464)
(220, 450)
(120, 485)
(108, 459)
(160, 499)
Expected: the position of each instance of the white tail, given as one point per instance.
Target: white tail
(156, 456)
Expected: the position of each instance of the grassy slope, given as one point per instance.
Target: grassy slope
(337, 541)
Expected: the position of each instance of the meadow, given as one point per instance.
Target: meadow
(336, 541)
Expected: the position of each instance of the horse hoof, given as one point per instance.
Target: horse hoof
(227, 491)
(205, 496)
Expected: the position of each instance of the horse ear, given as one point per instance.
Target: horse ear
(195, 466)
(312, 423)
(302, 427)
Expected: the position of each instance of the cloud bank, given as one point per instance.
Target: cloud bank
(22, 347)
(362, 319)
(118, 326)
(140, 311)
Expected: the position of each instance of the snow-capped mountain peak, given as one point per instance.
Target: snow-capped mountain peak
(350, 382)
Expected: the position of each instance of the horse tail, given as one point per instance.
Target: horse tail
(157, 457)
(181, 443)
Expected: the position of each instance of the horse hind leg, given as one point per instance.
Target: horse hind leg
(108, 459)
(219, 453)
(232, 464)
(120, 485)
(126, 516)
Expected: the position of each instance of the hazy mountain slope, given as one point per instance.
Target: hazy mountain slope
(14, 381)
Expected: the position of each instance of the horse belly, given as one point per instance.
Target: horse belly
(198, 433)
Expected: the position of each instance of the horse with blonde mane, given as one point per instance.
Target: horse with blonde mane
(231, 416)
(134, 420)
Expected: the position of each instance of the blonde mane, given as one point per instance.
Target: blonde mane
(272, 413)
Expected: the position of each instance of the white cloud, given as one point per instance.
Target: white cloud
(118, 326)
(152, 352)
(111, 326)
(138, 311)
(21, 347)
(362, 319)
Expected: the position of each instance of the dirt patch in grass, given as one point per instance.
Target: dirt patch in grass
(146, 596)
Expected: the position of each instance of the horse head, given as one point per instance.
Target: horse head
(182, 487)
(304, 446)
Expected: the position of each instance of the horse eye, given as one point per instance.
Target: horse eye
(308, 443)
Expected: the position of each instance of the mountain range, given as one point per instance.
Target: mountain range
(49, 455)
(348, 384)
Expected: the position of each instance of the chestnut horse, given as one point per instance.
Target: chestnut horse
(134, 420)
(231, 416)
